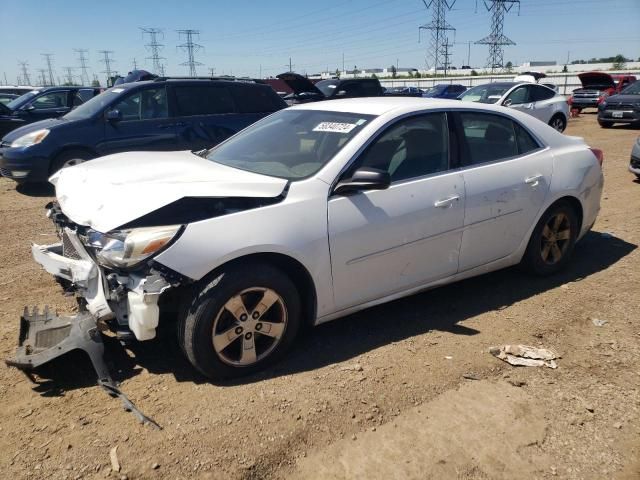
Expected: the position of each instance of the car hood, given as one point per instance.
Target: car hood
(114, 190)
(596, 80)
(299, 84)
(32, 127)
(4, 110)
(623, 99)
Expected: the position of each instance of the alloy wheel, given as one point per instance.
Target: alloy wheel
(558, 124)
(556, 236)
(249, 326)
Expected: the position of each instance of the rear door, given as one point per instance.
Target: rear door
(144, 123)
(543, 98)
(507, 174)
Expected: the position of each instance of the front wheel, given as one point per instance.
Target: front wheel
(68, 159)
(552, 241)
(558, 122)
(241, 322)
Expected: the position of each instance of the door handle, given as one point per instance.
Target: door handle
(446, 202)
(534, 180)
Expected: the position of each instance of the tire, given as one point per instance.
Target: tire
(69, 158)
(207, 324)
(558, 122)
(541, 258)
(605, 124)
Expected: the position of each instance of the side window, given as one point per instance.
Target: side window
(372, 89)
(526, 143)
(488, 137)
(82, 96)
(350, 89)
(203, 100)
(519, 95)
(253, 99)
(144, 105)
(50, 100)
(542, 93)
(412, 148)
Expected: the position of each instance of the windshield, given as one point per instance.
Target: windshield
(436, 90)
(291, 144)
(633, 89)
(21, 100)
(327, 86)
(489, 93)
(95, 105)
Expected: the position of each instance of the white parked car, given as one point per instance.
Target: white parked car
(310, 214)
(539, 101)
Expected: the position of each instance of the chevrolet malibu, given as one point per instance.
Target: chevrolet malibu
(308, 215)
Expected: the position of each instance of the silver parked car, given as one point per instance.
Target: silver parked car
(539, 101)
(634, 165)
(310, 214)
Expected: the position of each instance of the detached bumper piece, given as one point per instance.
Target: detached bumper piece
(45, 336)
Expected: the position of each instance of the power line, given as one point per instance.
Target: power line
(25, 73)
(107, 60)
(497, 39)
(154, 47)
(439, 28)
(43, 78)
(48, 57)
(190, 47)
(84, 74)
(69, 75)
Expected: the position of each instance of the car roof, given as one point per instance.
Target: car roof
(382, 105)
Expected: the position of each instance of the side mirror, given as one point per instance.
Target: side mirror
(364, 179)
(28, 108)
(113, 115)
(507, 102)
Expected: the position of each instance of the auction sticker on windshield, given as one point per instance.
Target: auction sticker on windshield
(335, 127)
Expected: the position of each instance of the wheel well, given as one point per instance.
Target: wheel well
(575, 204)
(66, 150)
(290, 266)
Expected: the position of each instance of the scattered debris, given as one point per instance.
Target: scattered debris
(113, 455)
(356, 368)
(26, 414)
(471, 376)
(617, 425)
(155, 466)
(524, 355)
(517, 383)
(448, 357)
(599, 323)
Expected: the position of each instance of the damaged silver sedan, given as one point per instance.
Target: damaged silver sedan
(308, 215)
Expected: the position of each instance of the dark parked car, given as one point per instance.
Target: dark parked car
(444, 90)
(596, 87)
(403, 92)
(160, 114)
(7, 97)
(15, 89)
(621, 108)
(304, 90)
(42, 103)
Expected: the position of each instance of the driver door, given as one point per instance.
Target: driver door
(48, 105)
(388, 241)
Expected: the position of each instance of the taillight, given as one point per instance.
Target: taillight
(599, 154)
(570, 100)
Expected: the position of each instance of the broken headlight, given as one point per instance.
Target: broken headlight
(125, 248)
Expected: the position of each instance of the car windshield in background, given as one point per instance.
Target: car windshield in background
(437, 90)
(633, 89)
(489, 93)
(291, 144)
(21, 100)
(327, 86)
(95, 105)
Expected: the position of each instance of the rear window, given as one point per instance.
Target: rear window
(251, 99)
(203, 100)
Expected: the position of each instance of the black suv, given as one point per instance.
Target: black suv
(160, 114)
(304, 90)
(40, 103)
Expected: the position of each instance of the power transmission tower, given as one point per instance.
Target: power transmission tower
(190, 48)
(48, 56)
(135, 64)
(438, 28)
(154, 47)
(497, 39)
(25, 73)
(107, 60)
(69, 75)
(43, 78)
(212, 72)
(84, 74)
(446, 54)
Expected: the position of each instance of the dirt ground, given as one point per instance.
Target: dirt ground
(380, 394)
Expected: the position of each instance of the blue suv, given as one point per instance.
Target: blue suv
(160, 114)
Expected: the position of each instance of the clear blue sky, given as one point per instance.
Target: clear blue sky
(240, 36)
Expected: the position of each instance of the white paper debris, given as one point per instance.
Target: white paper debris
(526, 356)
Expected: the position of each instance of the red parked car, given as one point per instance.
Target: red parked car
(596, 86)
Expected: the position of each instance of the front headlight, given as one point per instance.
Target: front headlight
(32, 138)
(125, 248)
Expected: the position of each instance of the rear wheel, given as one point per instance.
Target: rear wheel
(558, 122)
(552, 241)
(241, 322)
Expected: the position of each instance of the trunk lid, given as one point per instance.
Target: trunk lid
(596, 81)
(300, 84)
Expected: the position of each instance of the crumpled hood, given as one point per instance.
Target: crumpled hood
(111, 191)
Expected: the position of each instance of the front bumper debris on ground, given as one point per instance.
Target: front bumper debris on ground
(45, 336)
